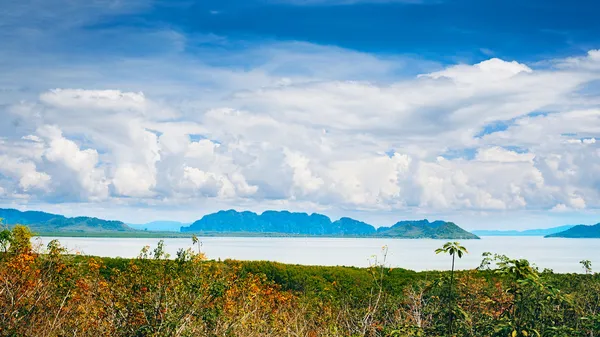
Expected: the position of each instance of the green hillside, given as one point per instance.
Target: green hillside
(424, 229)
(47, 222)
(579, 232)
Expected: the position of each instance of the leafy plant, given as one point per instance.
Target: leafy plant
(587, 266)
(453, 249)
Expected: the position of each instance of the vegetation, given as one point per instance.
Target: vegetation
(425, 229)
(47, 222)
(111, 234)
(579, 231)
(233, 223)
(278, 222)
(453, 249)
(288, 223)
(44, 291)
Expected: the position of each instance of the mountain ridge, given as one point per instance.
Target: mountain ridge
(277, 223)
(527, 232)
(48, 222)
(579, 232)
(296, 223)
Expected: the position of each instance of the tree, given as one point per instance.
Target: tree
(453, 249)
(5, 238)
(587, 266)
(196, 241)
(21, 239)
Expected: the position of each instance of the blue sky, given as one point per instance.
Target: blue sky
(465, 30)
(481, 112)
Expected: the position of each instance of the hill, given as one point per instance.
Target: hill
(424, 229)
(528, 232)
(284, 222)
(579, 232)
(47, 222)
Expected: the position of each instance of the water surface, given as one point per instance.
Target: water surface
(561, 255)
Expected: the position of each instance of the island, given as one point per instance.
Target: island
(296, 223)
(527, 232)
(579, 232)
(234, 223)
(48, 222)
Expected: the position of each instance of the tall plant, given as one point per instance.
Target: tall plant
(587, 266)
(453, 249)
(5, 237)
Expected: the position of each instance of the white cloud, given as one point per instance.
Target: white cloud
(32, 179)
(492, 70)
(132, 180)
(24, 172)
(304, 179)
(591, 61)
(96, 99)
(498, 154)
(560, 208)
(269, 136)
(210, 184)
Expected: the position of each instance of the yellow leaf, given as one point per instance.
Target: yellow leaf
(514, 333)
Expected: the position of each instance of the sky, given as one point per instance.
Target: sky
(485, 113)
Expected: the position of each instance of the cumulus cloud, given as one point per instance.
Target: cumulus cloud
(498, 154)
(24, 173)
(94, 99)
(419, 143)
(487, 71)
(69, 163)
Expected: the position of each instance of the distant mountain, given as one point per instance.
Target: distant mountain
(159, 226)
(47, 222)
(284, 222)
(350, 226)
(268, 222)
(528, 232)
(425, 229)
(579, 232)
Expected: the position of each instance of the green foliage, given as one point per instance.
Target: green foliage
(46, 222)
(6, 237)
(579, 231)
(51, 293)
(452, 248)
(281, 223)
(21, 239)
(425, 229)
(587, 266)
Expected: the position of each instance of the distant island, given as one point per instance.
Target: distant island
(47, 222)
(579, 232)
(284, 222)
(528, 232)
(233, 223)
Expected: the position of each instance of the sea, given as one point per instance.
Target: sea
(560, 255)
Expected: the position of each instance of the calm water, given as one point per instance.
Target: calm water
(562, 255)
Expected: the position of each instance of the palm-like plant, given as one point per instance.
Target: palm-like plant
(452, 248)
(587, 266)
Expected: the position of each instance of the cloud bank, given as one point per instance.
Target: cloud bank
(430, 142)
